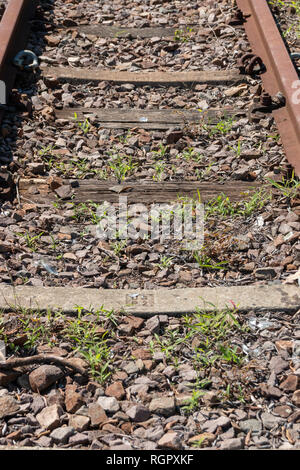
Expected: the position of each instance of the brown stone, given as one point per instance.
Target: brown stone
(135, 322)
(49, 417)
(290, 384)
(282, 410)
(96, 414)
(210, 398)
(270, 391)
(111, 428)
(283, 345)
(73, 400)
(148, 364)
(7, 377)
(44, 376)
(15, 435)
(204, 439)
(170, 440)
(115, 390)
(79, 422)
(126, 427)
(8, 406)
(141, 353)
(296, 398)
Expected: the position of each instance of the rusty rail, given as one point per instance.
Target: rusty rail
(280, 75)
(14, 29)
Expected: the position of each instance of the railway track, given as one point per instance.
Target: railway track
(170, 115)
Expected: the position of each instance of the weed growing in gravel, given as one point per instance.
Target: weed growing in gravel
(282, 5)
(159, 171)
(92, 345)
(118, 246)
(206, 262)
(213, 331)
(121, 166)
(289, 187)
(181, 35)
(165, 262)
(98, 357)
(85, 211)
(123, 139)
(162, 152)
(190, 154)
(202, 173)
(222, 127)
(31, 241)
(222, 206)
(83, 125)
(193, 401)
(236, 149)
(169, 343)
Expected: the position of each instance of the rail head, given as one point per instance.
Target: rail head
(280, 76)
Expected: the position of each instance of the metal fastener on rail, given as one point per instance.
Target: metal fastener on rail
(26, 60)
(295, 56)
(250, 63)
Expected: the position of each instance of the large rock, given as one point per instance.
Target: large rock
(163, 405)
(109, 404)
(8, 406)
(138, 413)
(96, 414)
(115, 390)
(296, 398)
(73, 399)
(7, 377)
(49, 417)
(79, 422)
(61, 435)
(170, 440)
(236, 443)
(44, 376)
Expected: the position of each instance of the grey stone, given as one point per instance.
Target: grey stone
(278, 365)
(79, 439)
(121, 447)
(154, 433)
(163, 405)
(213, 424)
(270, 421)
(236, 443)
(44, 441)
(37, 404)
(252, 425)
(130, 368)
(79, 422)
(109, 404)
(2, 351)
(170, 440)
(153, 324)
(61, 435)
(138, 413)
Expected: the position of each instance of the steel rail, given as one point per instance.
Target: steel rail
(280, 75)
(14, 29)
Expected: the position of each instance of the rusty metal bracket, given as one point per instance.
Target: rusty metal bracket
(280, 75)
(251, 64)
(14, 30)
(26, 60)
(237, 19)
(265, 104)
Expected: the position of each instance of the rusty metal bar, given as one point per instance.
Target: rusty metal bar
(14, 29)
(280, 76)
